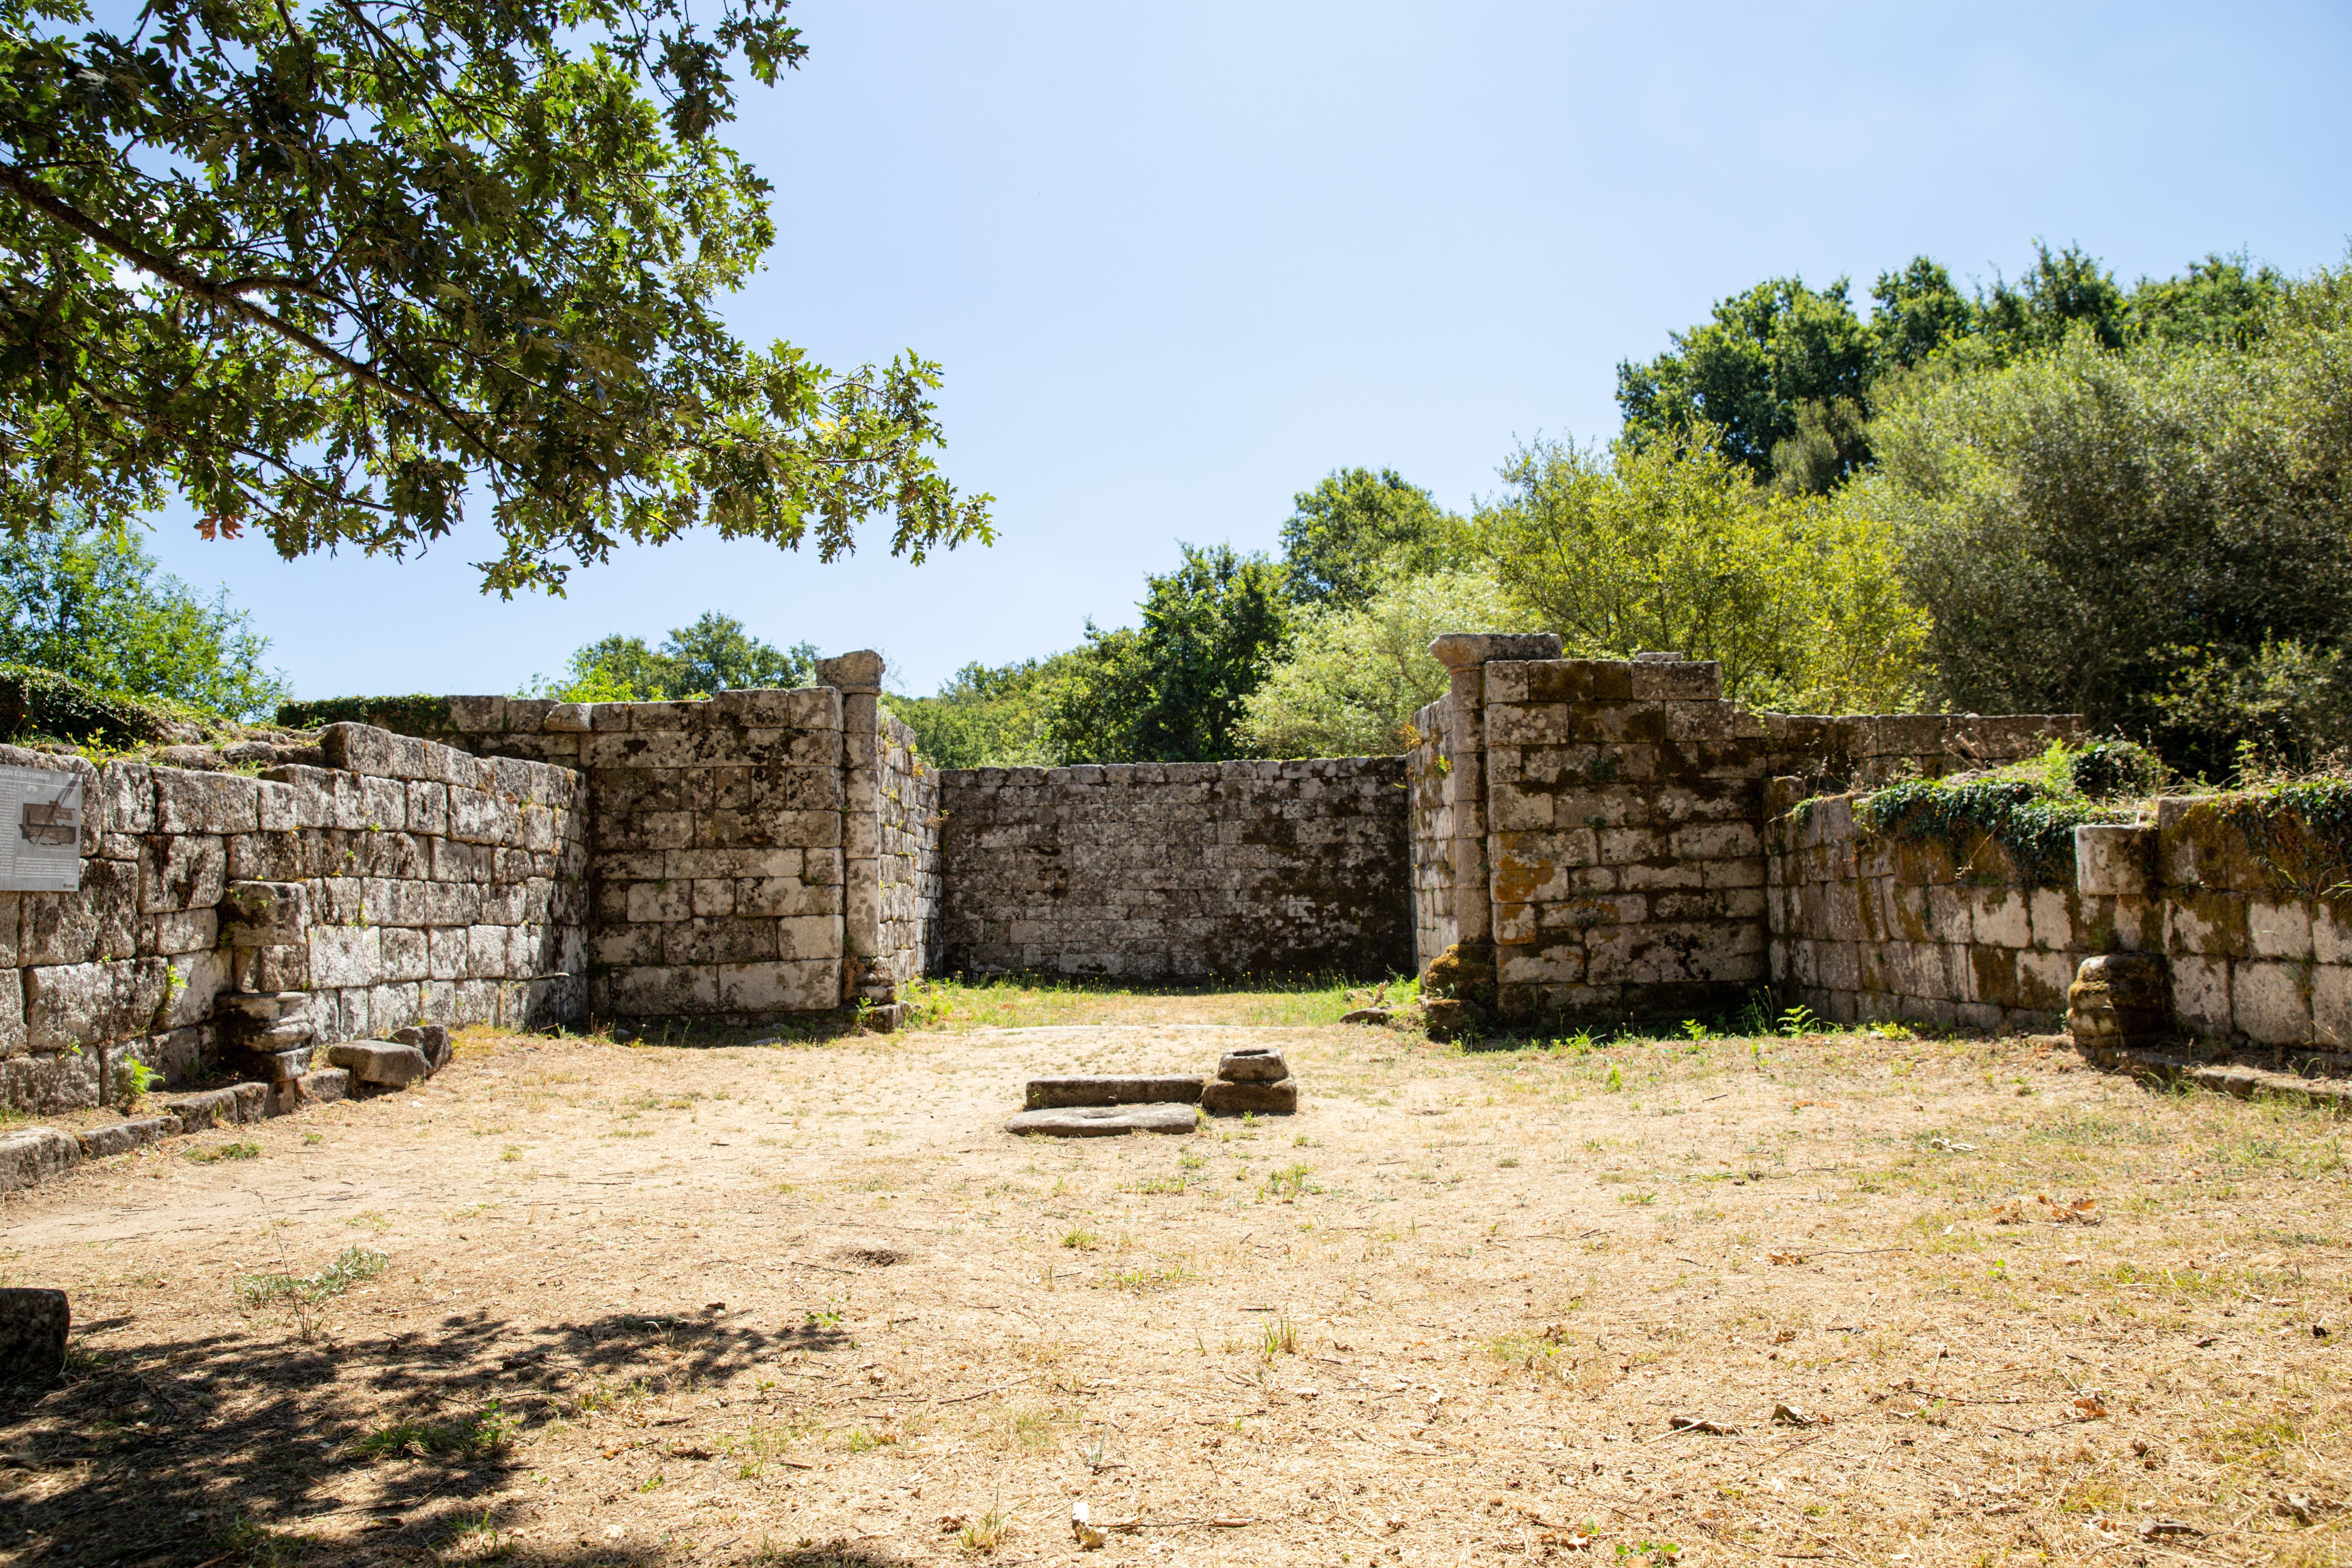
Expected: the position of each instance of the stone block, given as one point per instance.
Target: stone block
(183, 872)
(202, 1112)
(191, 803)
(323, 1086)
(773, 987)
(34, 1326)
(111, 1138)
(1250, 1063)
(1104, 1122)
(1220, 1099)
(30, 1155)
(2331, 1005)
(2114, 859)
(2201, 994)
(2279, 930)
(343, 956)
(381, 1062)
(263, 914)
(478, 715)
(2269, 1004)
(1111, 1088)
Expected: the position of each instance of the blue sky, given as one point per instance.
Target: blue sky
(1182, 261)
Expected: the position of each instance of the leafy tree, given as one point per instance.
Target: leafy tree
(1675, 548)
(989, 718)
(94, 606)
(2222, 301)
(1345, 531)
(1917, 312)
(2060, 292)
(1172, 690)
(325, 271)
(2124, 534)
(1749, 373)
(714, 654)
(1354, 675)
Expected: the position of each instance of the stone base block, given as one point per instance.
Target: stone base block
(1266, 1099)
(1104, 1120)
(1111, 1088)
(32, 1154)
(1252, 1064)
(121, 1137)
(381, 1063)
(33, 1328)
(324, 1085)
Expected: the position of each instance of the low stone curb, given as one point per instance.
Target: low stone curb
(31, 1155)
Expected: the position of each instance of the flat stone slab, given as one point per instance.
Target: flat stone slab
(1252, 1064)
(381, 1063)
(1111, 1088)
(1104, 1120)
(1232, 1098)
(33, 1326)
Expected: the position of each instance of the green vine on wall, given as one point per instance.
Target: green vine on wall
(2034, 826)
(2300, 832)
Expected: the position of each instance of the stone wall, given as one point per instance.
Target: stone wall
(1608, 818)
(1951, 935)
(1428, 774)
(403, 883)
(717, 861)
(1176, 871)
(909, 865)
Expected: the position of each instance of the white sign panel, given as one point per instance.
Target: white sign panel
(40, 831)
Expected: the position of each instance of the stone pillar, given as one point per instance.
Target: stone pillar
(1466, 655)
(858, 678)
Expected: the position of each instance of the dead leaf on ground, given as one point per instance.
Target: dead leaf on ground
(2161, 1529)
(2090, 1406)
(2298, 1507)
(1785, 1256)
(1570, 1540)
(1790, 1416)
(1082, 1526)
(1694, 1424)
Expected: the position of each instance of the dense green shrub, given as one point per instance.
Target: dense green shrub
(41, 703)
(419, 714)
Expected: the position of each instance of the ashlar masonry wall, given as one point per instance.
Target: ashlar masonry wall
(1953, 935)
(407, 883)
(1176, 871)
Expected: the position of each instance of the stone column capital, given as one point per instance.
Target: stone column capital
(859, 672)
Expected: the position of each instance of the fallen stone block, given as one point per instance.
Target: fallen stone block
(120, 1137)
(285, 1064)
(381, 1063)
(1232, 1098)
(1104, 1120)
(324, 1085)
(33, 1328)
(432, 1040)
(1252, 1064)
(252, 1100)
(1111, 1088)
(32, 1154)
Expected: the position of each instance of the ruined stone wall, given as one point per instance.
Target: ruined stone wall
(910, 853)
(1176, 871)
(1624, 811)
(1951, 935)
(412, 883)
(1428, 774)
(716, 854)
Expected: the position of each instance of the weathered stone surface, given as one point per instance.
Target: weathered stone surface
(381, 1062)
(207, 1109)
(1221, 1099)
(1104, 1120)
(323, 1086)
(34, 1326)
(432, 1040)
(1111, 1088)
(2114, 859)
(1252, 1064)
(120, 1137)
(31, 1154)
(261, 914)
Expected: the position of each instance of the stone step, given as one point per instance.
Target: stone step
(1232, 1098)
(1111, 1088)
(1104, 1120)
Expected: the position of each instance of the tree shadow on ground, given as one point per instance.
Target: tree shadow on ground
(231, 1449)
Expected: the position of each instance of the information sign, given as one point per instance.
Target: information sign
(40, 831)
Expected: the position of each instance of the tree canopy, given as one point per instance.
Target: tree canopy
(1344, 534)
(715, 654)
(96, 608)
(327, 272)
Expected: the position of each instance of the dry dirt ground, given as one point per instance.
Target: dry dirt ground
(807, 1305)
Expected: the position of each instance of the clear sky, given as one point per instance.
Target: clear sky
(1182, 261)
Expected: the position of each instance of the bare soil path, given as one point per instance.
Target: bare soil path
(808, 1305)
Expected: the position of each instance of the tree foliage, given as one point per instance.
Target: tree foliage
(1344, 535)
(1661, 547)
(1790, 375)
(95, 608)
(2135, 534)
(1355, 675)
(1171, 690)
(985, 717)
(324, 272)
(715, 654)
